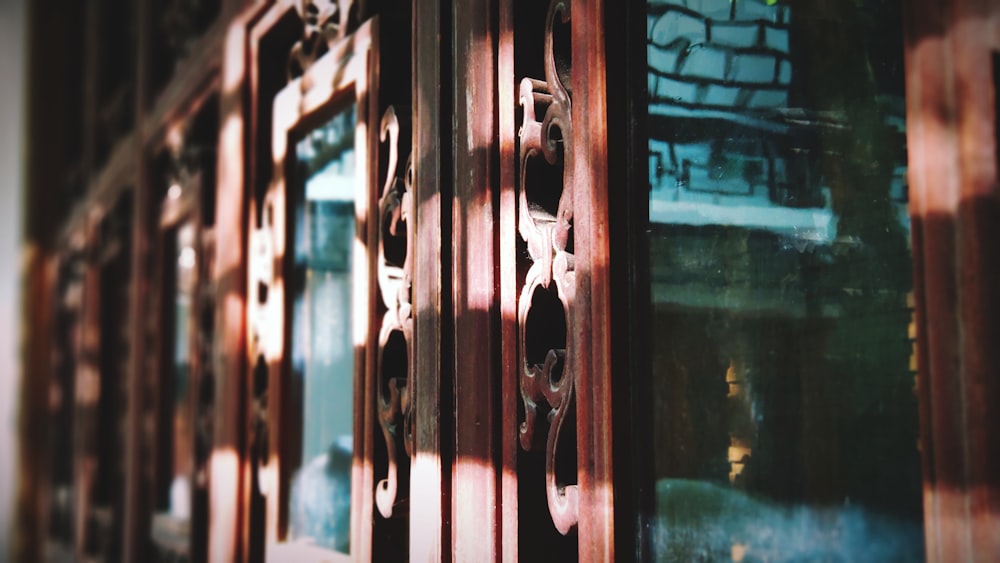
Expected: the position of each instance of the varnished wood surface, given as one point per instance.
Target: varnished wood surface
(429, 491)
(465, 292)
(955, 210)
(474, 485)
(507, 229)
(592, 335)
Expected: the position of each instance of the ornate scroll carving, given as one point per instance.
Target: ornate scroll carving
(393, 371)
(324, 22)
(545, 223)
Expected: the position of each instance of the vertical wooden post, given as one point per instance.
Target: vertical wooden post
(474, 271)
(429, 496)
(135, 528)
(227, 467)
(955, 208)
(592, 314)
(507, 226)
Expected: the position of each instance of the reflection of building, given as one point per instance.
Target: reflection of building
(537, 208)
(728, 130)
(787, 331)
(719, 79)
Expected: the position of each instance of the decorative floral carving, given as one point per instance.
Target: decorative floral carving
(395, 340)
(545, 223)
(324, 22)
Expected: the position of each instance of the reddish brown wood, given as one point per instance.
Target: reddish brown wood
(349, 70)
(30, 537)
(229, 479)
(978, 268)
(507, 226)
(591, 337)
(86, 396)
(430, 494)
(232, 526)
(136, 528)
(51, 126)
(954, 206)
(474, 483)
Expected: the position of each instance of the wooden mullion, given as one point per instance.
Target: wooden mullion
(235, 534)
(509, 369)
(953, 206)
(228, 466)
(591, 312)
(364, 387)
(474, 279)
(977, 271)
(138, 500)
(85, 403)
(430, 497)
(934, 291)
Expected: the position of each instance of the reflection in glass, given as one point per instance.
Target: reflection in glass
(322, 343)
(784, 414)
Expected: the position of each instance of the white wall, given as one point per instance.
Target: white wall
(12, 81)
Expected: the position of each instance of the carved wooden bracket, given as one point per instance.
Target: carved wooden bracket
(545, 223)
(324, 22)
(395, 341)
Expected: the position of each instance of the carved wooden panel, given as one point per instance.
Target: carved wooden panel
(545, 224)
(324, 22)
(395, 340)
(315, 111)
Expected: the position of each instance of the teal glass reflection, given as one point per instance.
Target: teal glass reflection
(785, 422)
(322, 341)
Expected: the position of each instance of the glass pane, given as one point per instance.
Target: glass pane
(183, 421)
(322, 343)
(785, 422)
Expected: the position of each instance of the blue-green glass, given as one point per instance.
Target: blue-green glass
(322, 340)
(785, 422)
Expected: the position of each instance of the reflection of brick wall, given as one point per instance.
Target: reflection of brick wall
(719, 72)
(719, 54)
